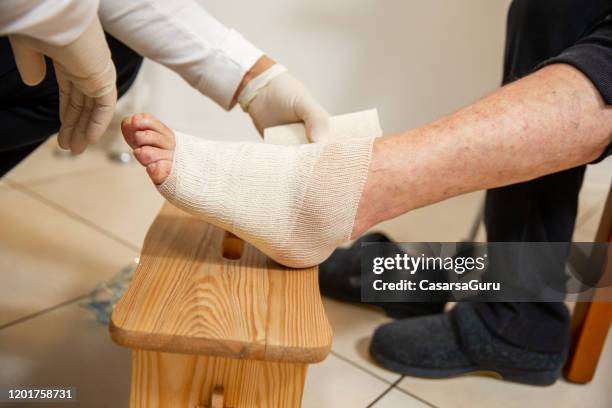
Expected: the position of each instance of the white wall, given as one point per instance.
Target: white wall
(413, 60)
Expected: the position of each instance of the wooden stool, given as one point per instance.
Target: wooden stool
(213, 323)
(591, 320)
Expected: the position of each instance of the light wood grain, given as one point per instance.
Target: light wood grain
(591, 320)
(187, 298)
(166, 380)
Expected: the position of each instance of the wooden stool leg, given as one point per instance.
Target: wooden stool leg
(171, 380)
(591, 325)
(216, 401)
(591, 321)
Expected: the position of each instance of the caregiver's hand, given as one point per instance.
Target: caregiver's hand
(272, 96)
(86, 79)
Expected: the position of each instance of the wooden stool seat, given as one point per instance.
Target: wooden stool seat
(207, 311)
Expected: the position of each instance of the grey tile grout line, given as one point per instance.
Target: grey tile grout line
(43, 311)
(416, 397)
(24, 189)
(360, 367)
(385, 392)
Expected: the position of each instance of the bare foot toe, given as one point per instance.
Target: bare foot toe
(149, 154)
(144, 129)
(159, 171)
(153, 144)
(153, 138)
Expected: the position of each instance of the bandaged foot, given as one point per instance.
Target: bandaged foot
(294, 203)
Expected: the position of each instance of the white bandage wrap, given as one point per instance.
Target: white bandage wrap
(261, 81)
(351, 125)
(295, 203)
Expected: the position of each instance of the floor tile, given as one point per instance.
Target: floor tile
(46, 164)
(447, 221)
(47, 257)
(399, 399)
(335, 383)
(353, 327)
(66, 347)
(489, 392)
(120, 199)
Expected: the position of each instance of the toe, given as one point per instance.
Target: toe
(159, 171)
(128, 131)
(149, 154)
(153, 138)
(144, 121)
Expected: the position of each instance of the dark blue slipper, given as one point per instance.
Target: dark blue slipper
(340, 279)
(458, 343)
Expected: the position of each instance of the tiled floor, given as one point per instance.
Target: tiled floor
(68, 223)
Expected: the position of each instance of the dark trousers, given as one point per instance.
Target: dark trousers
(541, 210)
(30, 115)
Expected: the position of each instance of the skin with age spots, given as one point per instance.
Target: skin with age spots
(546, 122)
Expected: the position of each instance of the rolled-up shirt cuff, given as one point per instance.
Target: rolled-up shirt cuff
(226, 66)
(594, 61)
(592, 55)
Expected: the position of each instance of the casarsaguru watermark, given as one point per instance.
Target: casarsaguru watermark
(425, 285)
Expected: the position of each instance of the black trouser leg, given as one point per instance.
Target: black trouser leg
(29, 115)
(541, 210)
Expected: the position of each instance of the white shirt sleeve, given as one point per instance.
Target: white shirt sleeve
(181, 35)
(57, 22)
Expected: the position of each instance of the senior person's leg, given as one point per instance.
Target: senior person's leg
(30, 115)
(547, 122)
(297, 203)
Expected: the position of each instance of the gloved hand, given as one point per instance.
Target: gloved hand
(86, 79)
(275, 98)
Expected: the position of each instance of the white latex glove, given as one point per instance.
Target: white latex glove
(276, 98)
(86, 79)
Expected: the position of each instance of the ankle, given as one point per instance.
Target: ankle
(361, 224)
(366, 216)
